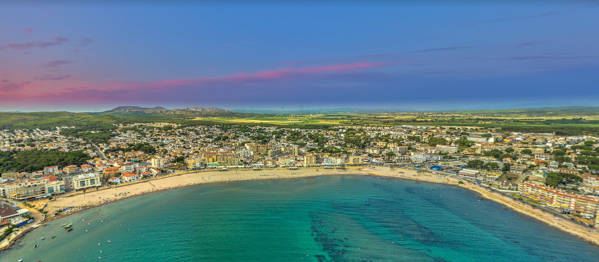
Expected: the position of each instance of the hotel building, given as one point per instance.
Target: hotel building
(582, 205)
(84, 181)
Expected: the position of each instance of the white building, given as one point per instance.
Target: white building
(86, 181)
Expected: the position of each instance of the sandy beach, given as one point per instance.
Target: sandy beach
(106, 195)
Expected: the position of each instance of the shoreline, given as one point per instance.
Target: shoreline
(106, 195)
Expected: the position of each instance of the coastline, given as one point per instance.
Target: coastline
(105, 195)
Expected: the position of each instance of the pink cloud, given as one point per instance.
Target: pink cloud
(73, 91)
(28, 30)
(53, 77)
(264, 75)
(56, 63)
(7, 85)
(59, 40)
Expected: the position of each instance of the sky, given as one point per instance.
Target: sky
(439, 55)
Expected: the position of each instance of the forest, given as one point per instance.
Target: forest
(28, 161)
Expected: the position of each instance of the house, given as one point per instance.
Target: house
(129, 177)
(110, 171)
(85, 168)
(70, 169)
(50, 170)
(7, 211)
(114, 180)
(147, 174)
(127, 167)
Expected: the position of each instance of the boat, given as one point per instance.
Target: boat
(36, 245)
(69, 229)
(43, 238)
(20, 260)
(66, 226)
(53, 237)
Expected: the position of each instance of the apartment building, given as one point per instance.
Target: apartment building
(583, 205)
(84, 181)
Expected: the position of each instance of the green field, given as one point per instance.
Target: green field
(563, 121)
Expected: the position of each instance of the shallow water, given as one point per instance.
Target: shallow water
(333, 218)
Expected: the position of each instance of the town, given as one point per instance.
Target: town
(553, 173)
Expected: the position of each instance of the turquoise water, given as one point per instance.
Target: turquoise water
(341, 218)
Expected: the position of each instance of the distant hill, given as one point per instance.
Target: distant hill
(127, 109)
(544, 111)
(160, 112)
(207, 110)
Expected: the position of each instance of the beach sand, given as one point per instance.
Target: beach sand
(105, 195)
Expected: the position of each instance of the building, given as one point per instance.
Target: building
(25, 190)
(110, 172)
(7, 211)
(86, 168)
(114, 180)
(258, 149)
(194, 162)
(53, 185)
(50, 170)
(129, 177)
(71, 169)
(310, 159)
(354, 160)
(446, 149)
(84, 181)
(158, 162)
(419, 158)
(223, 158)
(469, 172)
(579, 204)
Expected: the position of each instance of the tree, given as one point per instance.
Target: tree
(506, 167)
(526, 152)
(556, 179)
(433, 141)
(492, 166)
(390, 155)
(464, 143)
(477, 164)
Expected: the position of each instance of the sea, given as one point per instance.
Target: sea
(329, 218)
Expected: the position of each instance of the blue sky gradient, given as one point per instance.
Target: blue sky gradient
(442, 55)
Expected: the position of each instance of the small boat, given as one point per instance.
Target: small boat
(67, 225)
(36, 245)
(43, 238)
(53, 237)
(69, 229)
(20, 260)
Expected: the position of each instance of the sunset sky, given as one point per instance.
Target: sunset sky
(446, 55)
